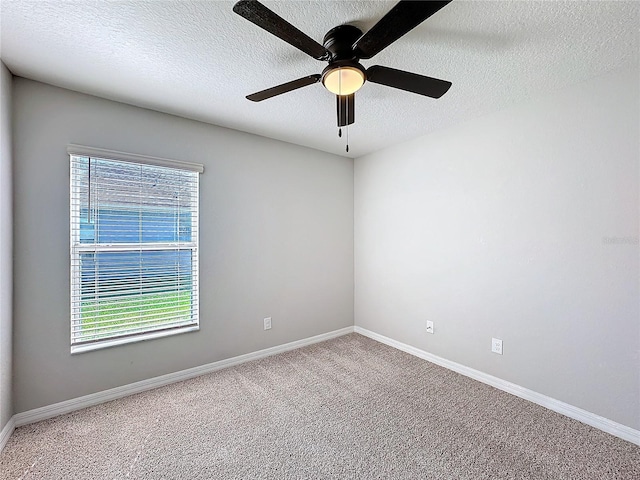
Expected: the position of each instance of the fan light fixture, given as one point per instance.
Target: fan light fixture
(343, 80)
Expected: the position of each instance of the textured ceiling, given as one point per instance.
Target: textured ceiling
(198, 59)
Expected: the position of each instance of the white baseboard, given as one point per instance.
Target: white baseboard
(601, 423)
(67, 406)
(6, 432)
(49, 411)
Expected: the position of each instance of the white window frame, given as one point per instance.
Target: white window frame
(77, 248)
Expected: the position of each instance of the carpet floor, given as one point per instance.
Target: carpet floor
(348, 408)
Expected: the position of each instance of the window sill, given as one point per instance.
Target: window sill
(75, 349)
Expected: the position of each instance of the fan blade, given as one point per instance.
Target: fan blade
(284, 88)
(402, 18)
(411, 82)
(257, 13)
(346, 109)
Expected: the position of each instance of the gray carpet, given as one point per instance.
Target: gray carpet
(346, 408)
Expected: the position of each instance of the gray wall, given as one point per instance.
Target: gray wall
(6, 251)
(522, 225)
(276, 240)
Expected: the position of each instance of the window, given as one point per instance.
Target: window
(134, 248)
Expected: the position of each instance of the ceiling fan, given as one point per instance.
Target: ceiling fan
(343, 47)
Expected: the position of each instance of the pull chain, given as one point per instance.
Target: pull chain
(346, 112)
(339, 102)
(347, 138)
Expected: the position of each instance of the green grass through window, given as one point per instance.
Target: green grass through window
(106, 318)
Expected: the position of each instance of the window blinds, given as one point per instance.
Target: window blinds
(134, 249)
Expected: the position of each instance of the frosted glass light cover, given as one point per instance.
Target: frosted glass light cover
(343, 80)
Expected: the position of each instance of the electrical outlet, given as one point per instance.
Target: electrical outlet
(429, 326)
(267, 323)
(496, 346)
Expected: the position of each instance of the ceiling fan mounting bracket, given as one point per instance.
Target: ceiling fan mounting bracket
(339, 42)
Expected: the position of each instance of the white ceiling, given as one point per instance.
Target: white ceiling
(197, 59)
